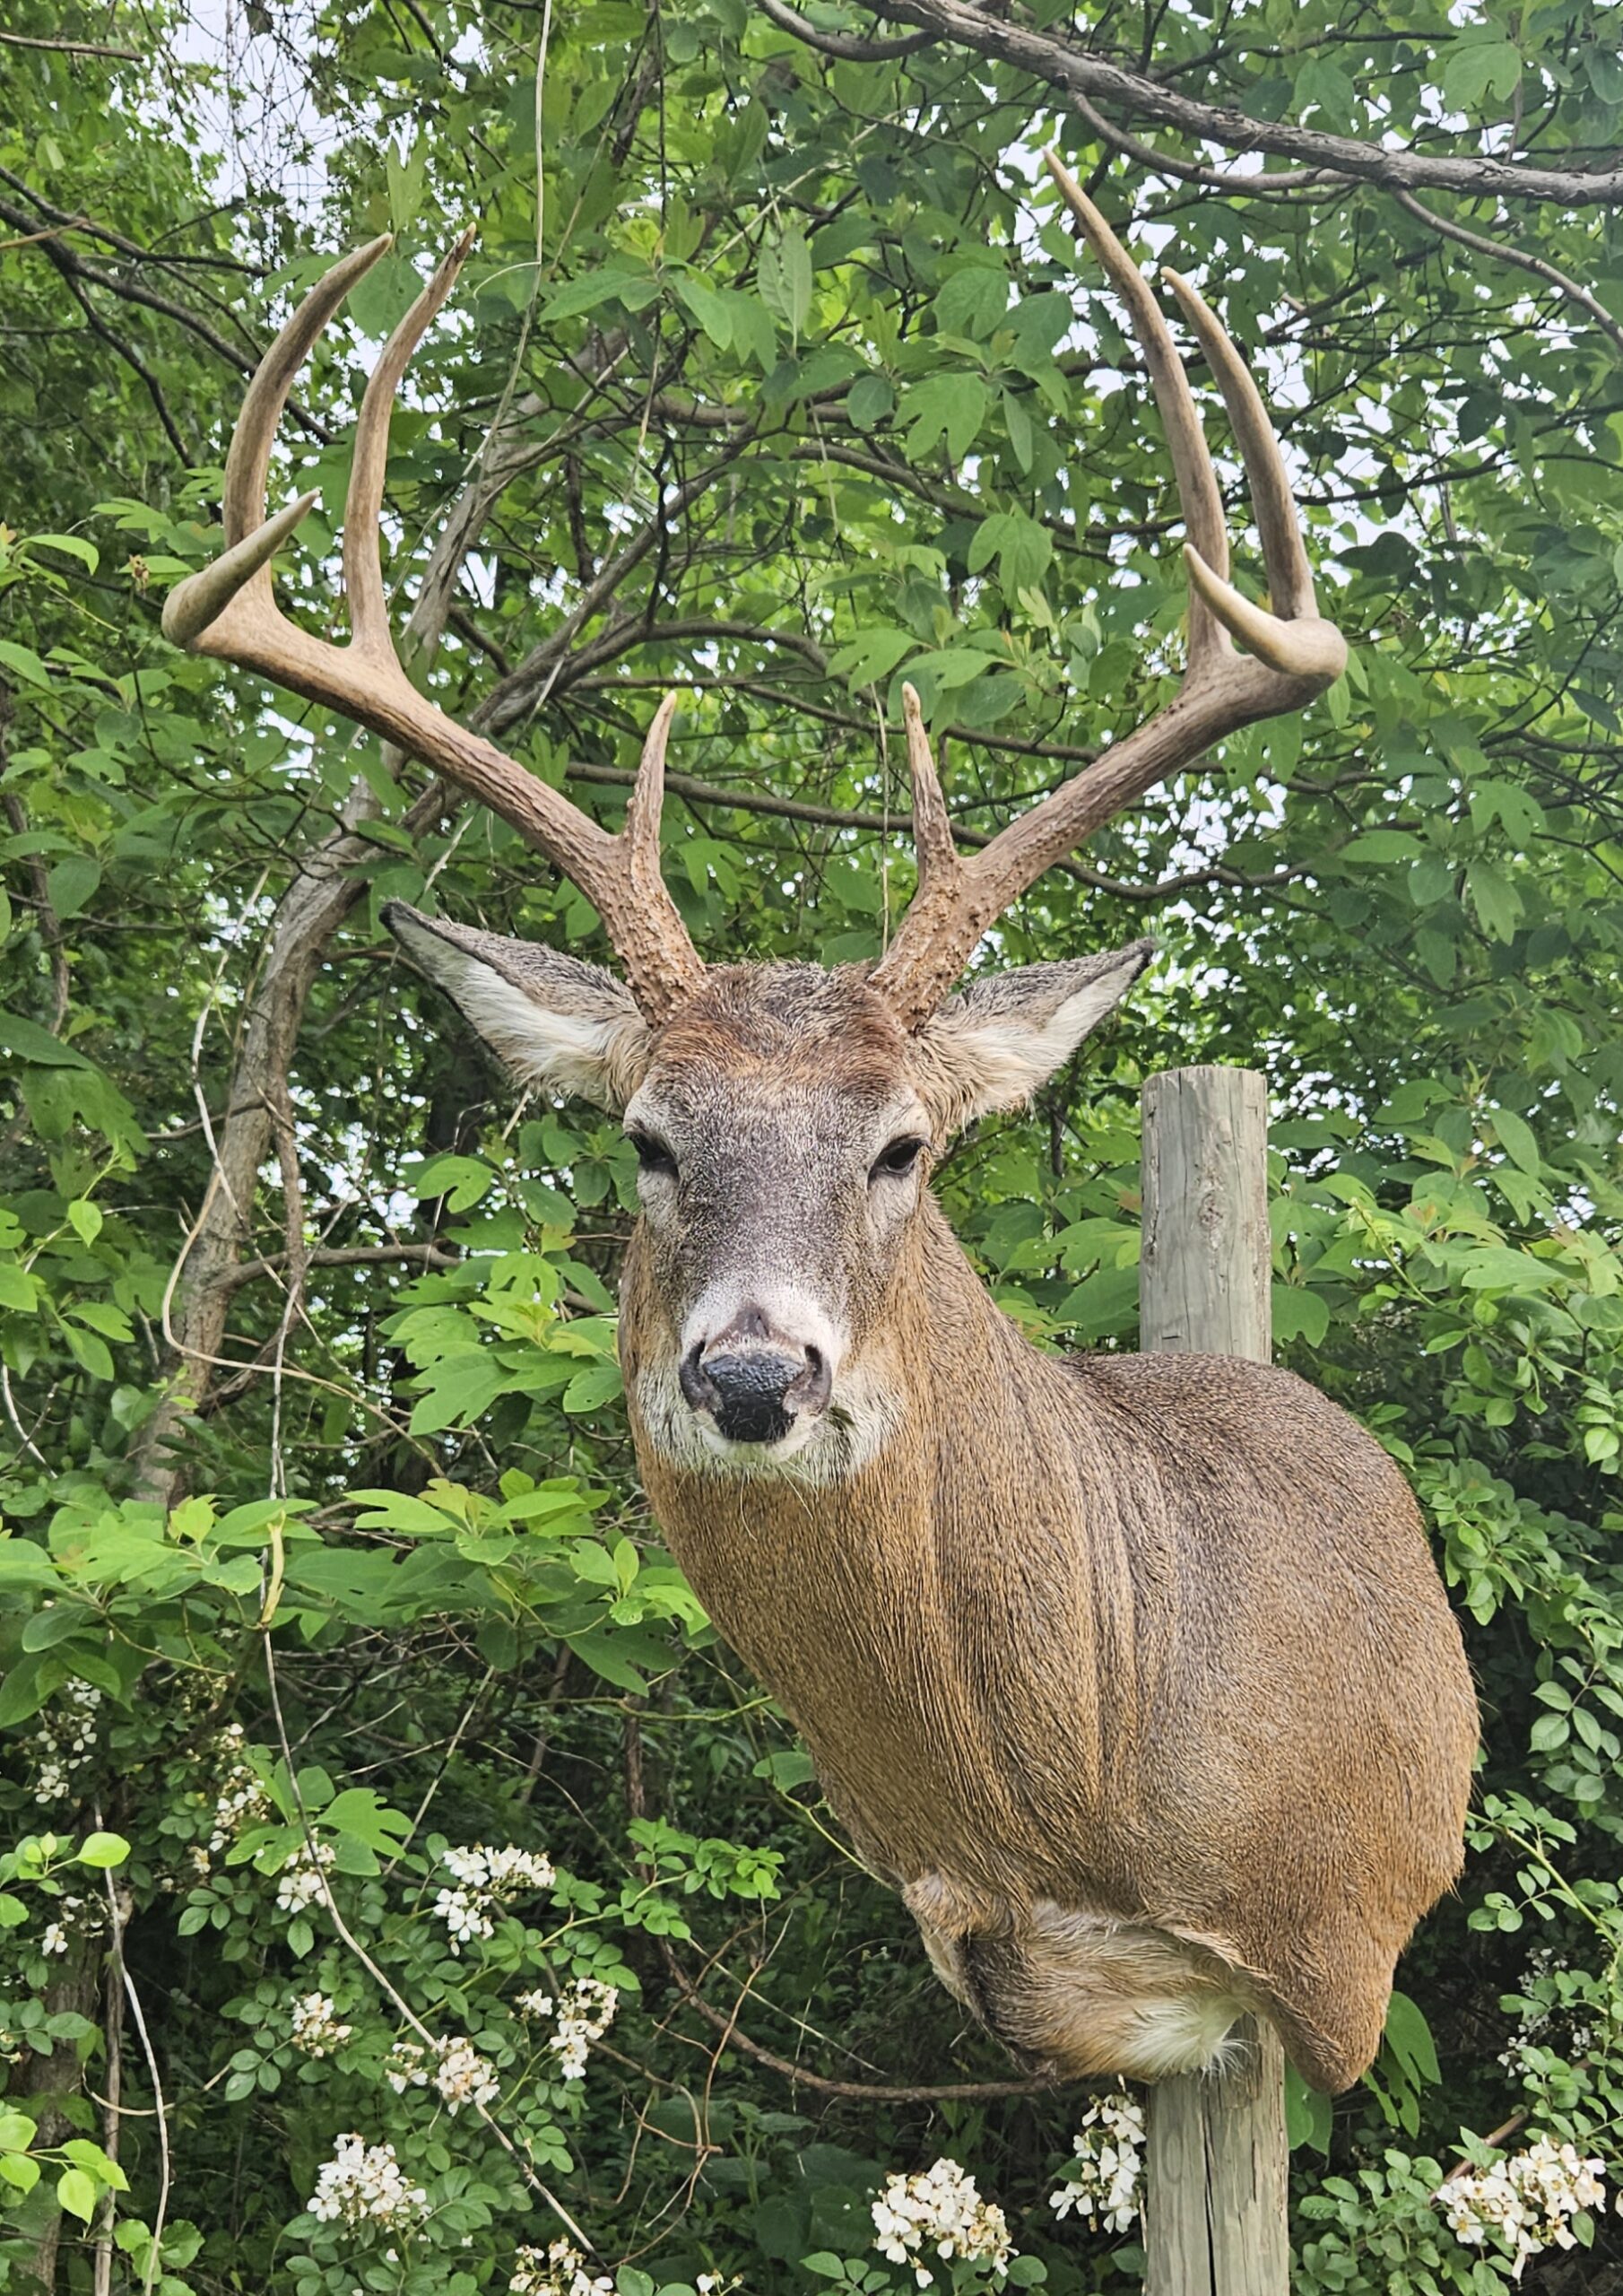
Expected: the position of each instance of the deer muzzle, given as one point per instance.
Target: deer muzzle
(755, 1383)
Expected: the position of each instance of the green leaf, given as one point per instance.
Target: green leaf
(972, 302)
(1299, 1314)
(634, 285)
(26, 1040)
(1516, 1138)
(954, 403)
(71, 546)
(23, 663)
(784, 278)
(591, 1390)
(1409, 2037)
(76, 2194)
(17, 1287)
(70, 884)
(17, 2131)
(102, 1850)
(85, 1217)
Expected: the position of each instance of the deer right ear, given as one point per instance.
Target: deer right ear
(554, 1019)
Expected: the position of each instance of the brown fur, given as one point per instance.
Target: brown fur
(1155, 1640)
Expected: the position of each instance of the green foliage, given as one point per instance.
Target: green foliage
(798, 387)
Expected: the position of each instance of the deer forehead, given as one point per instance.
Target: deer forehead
(782, 1054)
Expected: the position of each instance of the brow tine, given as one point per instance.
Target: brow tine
(363, 506)
(192, 605)
(249, 460)
(1289, 577)
(1304, 647)
(1197, 486)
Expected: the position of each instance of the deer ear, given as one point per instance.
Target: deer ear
(554, 1019)
(991, 1046)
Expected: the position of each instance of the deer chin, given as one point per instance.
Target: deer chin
(827, 1446)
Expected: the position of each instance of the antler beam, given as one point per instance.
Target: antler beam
(1292, 653)
(229, 611)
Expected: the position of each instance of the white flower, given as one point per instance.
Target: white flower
(55, 1940)
(462, 2076)
(65, 1742)
(941, 2209)
(458, 2072)
(486, 1879)
(584, 2012)
(302, 1881)
(241, 1799)
(560, 2270)
(315, 2028)
(1524, 2202)
(364, 2184)
(1103, 2184)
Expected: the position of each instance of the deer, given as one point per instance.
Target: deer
(1134, 1674)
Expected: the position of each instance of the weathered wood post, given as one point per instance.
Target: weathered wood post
(1216, 2158)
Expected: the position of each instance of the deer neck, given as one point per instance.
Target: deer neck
(872, 1603)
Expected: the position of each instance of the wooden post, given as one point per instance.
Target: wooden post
(1216, 2157)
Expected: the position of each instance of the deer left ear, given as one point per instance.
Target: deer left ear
(991, 1046)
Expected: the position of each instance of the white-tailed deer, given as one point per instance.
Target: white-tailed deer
(1133, 1674)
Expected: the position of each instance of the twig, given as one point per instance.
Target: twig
(1479, 244)
(160, 2216)
(845, 44)
(73, 47)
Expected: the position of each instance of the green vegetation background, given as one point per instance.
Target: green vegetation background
(808, 389)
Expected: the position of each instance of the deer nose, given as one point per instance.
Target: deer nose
(754, 1383)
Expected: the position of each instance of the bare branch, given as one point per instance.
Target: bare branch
(1479, 244)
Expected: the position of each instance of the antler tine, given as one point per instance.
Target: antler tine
(1294, 655)
(1294, 637)
(363, 504)
(648, 797)
(230, 610)
(1197, 486)
(933, 844)
(248, 463)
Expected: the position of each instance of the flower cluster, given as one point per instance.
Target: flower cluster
(485, 1880)
(83, 1914)
(65, 1742)
(941, 2211)
(1102, 2184)
(365, 2184)
(560, 2270)
(1526, 2201)
(454, 2067)
(585, 2010)
(302, 1881)
(315, 2028)
(242, 1799)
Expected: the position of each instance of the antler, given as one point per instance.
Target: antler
(230, 610)
(1293, 654)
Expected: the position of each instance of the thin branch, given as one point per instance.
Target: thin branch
(844, 45)
(73, 47)
(1479, 244)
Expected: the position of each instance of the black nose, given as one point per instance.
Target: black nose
(754, 1390)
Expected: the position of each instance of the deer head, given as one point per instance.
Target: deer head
(785, 1118)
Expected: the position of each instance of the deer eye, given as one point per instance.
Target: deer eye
(898, 1159)
(652, 1154)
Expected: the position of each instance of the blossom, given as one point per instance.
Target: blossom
(65, 1742)
(315, 2028)
(72, 1913)
(942, 2209)
(485, 1879)
(452, 2067)
(560, 2270)
(241, 1799)
(364, 2184)
(302, 1881)
(1525, 2200)
(1103, 2182)
(585, 2010)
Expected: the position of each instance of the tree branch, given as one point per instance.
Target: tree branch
(1076, 71)
(1481, 244)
